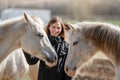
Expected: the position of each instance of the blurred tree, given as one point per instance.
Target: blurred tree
(87, 9)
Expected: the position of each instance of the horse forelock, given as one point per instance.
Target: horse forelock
(105, 36)
(38, 20)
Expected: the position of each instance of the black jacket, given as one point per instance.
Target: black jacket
(52, 73)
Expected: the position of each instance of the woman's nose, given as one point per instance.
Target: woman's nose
(56, 30)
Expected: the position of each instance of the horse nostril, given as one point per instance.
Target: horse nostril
(49, 60)
(52, 59)
(55, 58)
(74, 68)
(67, 69)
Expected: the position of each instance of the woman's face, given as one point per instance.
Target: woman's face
(55, 29)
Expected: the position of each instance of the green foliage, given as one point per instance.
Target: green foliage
(114, 22)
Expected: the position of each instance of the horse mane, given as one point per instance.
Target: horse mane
(10, 21)
(38, 20)
(105, 36)
(6, 23)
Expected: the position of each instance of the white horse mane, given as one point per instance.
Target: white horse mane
(11, 20)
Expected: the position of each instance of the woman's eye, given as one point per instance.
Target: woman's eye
(75, 43)
(53, 26)
(40, 35)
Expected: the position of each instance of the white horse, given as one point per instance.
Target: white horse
(26, 33)
(88, 38)
(14, 66)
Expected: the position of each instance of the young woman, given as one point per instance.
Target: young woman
(56, 34)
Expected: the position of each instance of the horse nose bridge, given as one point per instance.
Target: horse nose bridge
(46, 42)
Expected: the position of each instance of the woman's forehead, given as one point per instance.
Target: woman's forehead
(56, 24)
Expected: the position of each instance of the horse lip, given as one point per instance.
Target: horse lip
(50, 60)
(71, 74)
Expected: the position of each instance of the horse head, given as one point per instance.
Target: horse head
(80, 50)
(35, 41)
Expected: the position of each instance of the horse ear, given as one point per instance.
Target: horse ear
(67, 26)
(72, 26)
(28, 18)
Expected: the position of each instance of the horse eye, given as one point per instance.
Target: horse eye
(40, 35)
(75, 42)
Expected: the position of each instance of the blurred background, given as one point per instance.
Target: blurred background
(68, 10)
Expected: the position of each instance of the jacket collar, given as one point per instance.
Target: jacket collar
(54, 38)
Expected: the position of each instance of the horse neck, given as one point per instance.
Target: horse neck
(11, 38)
(106, 40)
